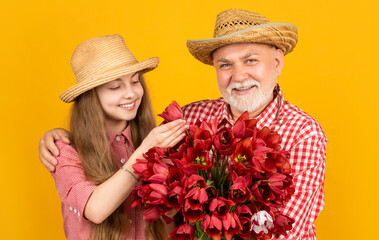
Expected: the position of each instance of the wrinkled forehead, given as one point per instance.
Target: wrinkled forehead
(241, 50)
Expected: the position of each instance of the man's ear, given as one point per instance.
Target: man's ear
(279, 61)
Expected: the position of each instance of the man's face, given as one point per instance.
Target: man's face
(246, 75)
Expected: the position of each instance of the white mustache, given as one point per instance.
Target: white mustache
(245, 84)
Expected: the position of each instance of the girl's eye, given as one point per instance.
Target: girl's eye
(114, 88)
(135, 82)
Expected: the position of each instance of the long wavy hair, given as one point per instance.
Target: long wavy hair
(90, 139)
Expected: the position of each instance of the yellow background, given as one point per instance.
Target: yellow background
(332, 75)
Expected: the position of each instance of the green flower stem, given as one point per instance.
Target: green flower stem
(255, 206)
(189, 135)
(215, 157)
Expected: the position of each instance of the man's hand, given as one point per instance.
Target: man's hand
(47, 149)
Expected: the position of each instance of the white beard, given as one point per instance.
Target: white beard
(250, 102)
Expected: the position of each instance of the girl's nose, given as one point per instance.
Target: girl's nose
(129, 92)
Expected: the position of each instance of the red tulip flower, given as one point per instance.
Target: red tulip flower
(231, 225)
(196, 198)
(262, 193)
(196, 158)
(243, 211)
(245, 233)
(158, 195)
(275, 161)
(183, 232)
(172, 112)
(193, 209)
(271, 139)
(239, 191)
(178, 152)
(151, 164)
(244, 159)
(244, 128)
(213, 226)
(192, 215)
(244, 215)
(205, 136)
(141, 194)
(224, 141)
(175, 178)
(175, 198)
(283, 224)
(220, 206)
(151, 214)
(276, 183)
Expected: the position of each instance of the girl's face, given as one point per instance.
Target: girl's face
(120, 100)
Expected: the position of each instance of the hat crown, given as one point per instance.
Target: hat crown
(99, 55)
(234, 20)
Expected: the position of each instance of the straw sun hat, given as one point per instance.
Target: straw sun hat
(240, 26)
(101, 60)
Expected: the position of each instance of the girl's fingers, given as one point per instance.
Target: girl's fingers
(177, 140)
(171, 126)
(52, 149)
(46, 157)
(60, 134)
(47, 165)
(171, 135)
(164, 135)
(173, 138)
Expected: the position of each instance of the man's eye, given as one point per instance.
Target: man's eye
(251, 60)
(225, 65)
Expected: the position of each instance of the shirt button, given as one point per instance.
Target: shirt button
(70, 208)
(78, 213)
(122, 160)
(118, 138)
(131, 221)
(75, 210)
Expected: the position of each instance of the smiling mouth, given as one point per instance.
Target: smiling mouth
(244, 88)
(128, 106)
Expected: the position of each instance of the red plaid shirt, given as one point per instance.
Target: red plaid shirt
(306, 141)
(74, 189)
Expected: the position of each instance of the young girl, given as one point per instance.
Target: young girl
(111, 125)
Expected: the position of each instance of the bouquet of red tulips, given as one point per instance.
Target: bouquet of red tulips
(223, 182)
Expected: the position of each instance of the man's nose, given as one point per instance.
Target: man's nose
(239, 73)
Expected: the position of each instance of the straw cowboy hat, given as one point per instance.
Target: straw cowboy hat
(101, 60)
(240, 26)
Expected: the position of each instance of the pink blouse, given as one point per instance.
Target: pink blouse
(74, 189)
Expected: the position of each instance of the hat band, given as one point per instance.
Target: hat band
(243, 31)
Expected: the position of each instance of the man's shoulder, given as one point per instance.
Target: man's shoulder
(301, 122)
(207, 104)
(204, 110)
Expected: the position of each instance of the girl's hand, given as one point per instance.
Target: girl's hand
(166, 135)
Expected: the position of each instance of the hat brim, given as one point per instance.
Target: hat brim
(145, 66)
(281, 35)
